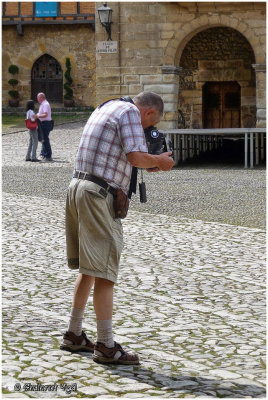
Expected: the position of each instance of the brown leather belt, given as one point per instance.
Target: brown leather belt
(92, 178)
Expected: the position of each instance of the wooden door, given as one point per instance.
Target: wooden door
(221, 105)
(47, 78)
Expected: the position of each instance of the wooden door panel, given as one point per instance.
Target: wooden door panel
(227, 119)
(47, 77)
(221, 105)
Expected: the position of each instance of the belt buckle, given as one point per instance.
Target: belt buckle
(84, 174)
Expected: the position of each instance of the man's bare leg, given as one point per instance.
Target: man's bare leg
(74, 339)
(82, 289)
(103, 305)
(106, 350)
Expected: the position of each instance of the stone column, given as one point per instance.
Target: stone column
(108, 75)
(170, 89)
(260, 70)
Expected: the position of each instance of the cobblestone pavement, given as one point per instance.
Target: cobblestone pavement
(190, 300)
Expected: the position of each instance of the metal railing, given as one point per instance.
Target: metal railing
(189, 143)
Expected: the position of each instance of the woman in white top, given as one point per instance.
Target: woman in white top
(33, 142)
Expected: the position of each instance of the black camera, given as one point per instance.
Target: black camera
(155, 140)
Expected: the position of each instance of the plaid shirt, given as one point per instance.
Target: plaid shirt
(112, 131)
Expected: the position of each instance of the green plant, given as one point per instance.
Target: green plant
(13, 70)
(13, 82)
(14, 94)
(69, 81)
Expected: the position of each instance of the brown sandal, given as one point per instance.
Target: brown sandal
(114, 355)
(76, 344)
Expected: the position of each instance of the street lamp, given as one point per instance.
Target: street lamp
(105, 16)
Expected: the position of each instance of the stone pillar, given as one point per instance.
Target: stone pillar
(260, 70)
(108, 76)
(169, 93)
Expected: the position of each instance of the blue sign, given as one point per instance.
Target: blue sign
(46, 9)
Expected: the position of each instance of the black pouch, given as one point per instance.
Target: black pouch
(142, 189)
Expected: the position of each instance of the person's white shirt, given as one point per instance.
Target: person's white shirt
(30, 114)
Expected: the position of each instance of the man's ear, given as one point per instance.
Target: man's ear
(150, 112)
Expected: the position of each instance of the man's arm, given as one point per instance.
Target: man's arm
(44, 110)
(144, 160)
(40, 115)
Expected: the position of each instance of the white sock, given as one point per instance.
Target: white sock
(105, 332)
(76, 319)
(75, 324)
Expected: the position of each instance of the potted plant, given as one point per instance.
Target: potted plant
(14, 94)
(68, 97)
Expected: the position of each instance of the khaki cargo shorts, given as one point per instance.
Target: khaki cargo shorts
(94, 238)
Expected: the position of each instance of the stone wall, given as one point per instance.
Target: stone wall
(152, 37)
(216, 54)
(59, 41)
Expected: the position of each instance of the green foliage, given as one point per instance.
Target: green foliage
(14, 94)
(69, 92)
(13, 82)
(67, 86)
(13, 69)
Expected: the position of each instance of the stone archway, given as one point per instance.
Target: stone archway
(218, 54)
(187, 31)
(190, 29)
(47, 77)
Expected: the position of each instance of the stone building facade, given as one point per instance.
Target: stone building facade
(43, 44)
(207, 59)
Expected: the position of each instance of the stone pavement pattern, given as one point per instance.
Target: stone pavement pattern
(215, 193)
(189, 299)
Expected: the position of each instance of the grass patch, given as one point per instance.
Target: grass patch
(12, 121)
(18, 121)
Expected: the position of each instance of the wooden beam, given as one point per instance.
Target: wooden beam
(52, 22)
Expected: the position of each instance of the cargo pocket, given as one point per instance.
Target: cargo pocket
(101, 193)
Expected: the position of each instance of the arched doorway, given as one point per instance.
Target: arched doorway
(47, 77)
(217, 64)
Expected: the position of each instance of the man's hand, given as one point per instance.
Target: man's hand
(165, 162)
(162, 162)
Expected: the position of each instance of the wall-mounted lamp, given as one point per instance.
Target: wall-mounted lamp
(105, 16)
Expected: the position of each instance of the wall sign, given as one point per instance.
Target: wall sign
(107, 47)
(46, 9)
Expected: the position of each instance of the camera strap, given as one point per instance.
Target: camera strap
(133, 182)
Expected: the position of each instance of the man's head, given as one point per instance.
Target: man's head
(151, 108)
(41, 97)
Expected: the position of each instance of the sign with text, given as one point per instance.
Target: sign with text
(46, 9)
(107, 47)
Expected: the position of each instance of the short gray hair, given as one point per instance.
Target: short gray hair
(150, 99)
(41, 95)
